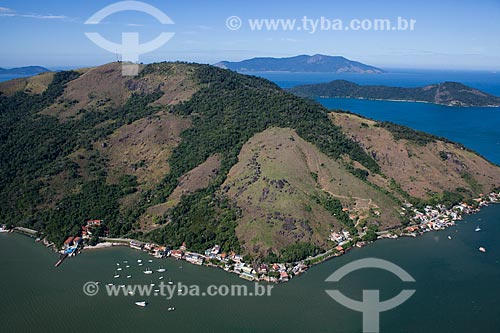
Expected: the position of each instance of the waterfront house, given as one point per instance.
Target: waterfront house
(194, 258)
(68, 242)
(77, 241)
(284, 276)
(215, 250)
(340, 249)
(177, 254)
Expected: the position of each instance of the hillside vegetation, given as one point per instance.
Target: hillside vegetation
(198, 154)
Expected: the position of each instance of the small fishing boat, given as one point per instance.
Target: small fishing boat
(482, 249)
(477, 229)
(160, 278)
(171, 309)
(116, 276)
(129, 276)
(119, 269)
(141, 303)
(161, 270)
(148, 271)
(139, 260)
(449, 237)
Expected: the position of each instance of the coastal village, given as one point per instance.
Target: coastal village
(421, 221)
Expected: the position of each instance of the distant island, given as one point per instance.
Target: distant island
(446, 93)
(29, 70)
(302, 63)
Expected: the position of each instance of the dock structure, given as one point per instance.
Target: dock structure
(61, 259)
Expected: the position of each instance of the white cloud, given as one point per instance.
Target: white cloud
(7, 12)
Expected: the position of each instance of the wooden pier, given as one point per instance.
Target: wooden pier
(61, 259)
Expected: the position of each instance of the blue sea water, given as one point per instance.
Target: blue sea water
(476, 128)
(7, 77)
(488, 81)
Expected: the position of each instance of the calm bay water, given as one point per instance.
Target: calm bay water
(455, 288)
(456, 285)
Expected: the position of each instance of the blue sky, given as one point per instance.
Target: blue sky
(448, 34)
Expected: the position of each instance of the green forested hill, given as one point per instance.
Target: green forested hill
(73, 153)
(446, 93)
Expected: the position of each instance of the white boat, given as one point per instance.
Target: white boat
(116, 275)
(117, 264)
(152, 284)
(150, 260)
(129, 276)
(160, 278)
(110, 284)
(128, 266)
(119, 269)
(140, 264)
(125, 261)
(449, 237)
(148, 271)
(131, 293)
(139, 260)
(171, 309)
(482, 249)
(161, 270)
(141, 303)
(170, 282)
(477, 229)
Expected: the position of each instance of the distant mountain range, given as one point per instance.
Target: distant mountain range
(446, 93)
(29, 70)
(301, 63)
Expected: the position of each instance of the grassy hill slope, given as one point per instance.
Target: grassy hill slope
(197, 154)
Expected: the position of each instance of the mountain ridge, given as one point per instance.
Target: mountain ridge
(301, 63)
(27, 70)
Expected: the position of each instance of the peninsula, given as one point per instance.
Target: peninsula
(203, 158)
(446, 93)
